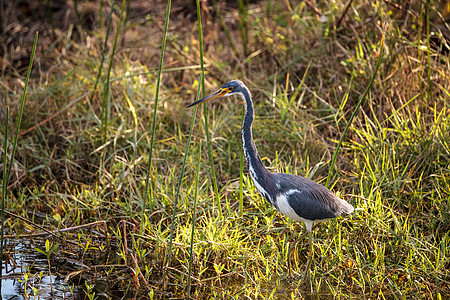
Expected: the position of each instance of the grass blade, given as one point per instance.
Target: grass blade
(241, 178)
(5, 185)
(205, 113)
(180, 179)
(355, 111)
(106, 95)
(155, 109)
(8, 171)
(243, 24)
(194, 219)
(105, 44)
(427, 8)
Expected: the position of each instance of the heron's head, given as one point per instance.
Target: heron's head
(232, 87)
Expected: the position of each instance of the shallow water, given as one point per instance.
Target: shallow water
(284, 288)
(25, 275)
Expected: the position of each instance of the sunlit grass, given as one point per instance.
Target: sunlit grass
(306, 78)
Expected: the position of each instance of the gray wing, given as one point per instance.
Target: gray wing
(311, 200)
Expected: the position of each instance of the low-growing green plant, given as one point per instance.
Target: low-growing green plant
(50, 249)
(90, 293)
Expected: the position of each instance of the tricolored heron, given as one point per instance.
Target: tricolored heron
(294, 196)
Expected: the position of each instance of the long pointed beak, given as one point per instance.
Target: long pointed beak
(216, 94)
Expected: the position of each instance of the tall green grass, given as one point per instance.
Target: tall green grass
(8, 167)
(155, 110)
(194, 219)
(320, 96)
(4, 186)
(104, 48)
(205, 112)
(106, 104)
(356, 110)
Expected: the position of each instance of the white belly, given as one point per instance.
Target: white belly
(286, 209)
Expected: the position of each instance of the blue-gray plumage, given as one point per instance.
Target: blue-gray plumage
(294, 196)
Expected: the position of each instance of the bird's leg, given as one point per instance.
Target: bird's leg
(291, 249)
(310, 255)
(294, 246)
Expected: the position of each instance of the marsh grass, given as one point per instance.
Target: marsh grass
(7, 165)
(306, 76)
(4, 185)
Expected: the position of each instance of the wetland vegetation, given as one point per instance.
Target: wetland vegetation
(124, 193)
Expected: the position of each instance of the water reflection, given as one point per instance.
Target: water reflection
(25, 275)
(285, 287)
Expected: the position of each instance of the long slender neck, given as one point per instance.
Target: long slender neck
(254, 163)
